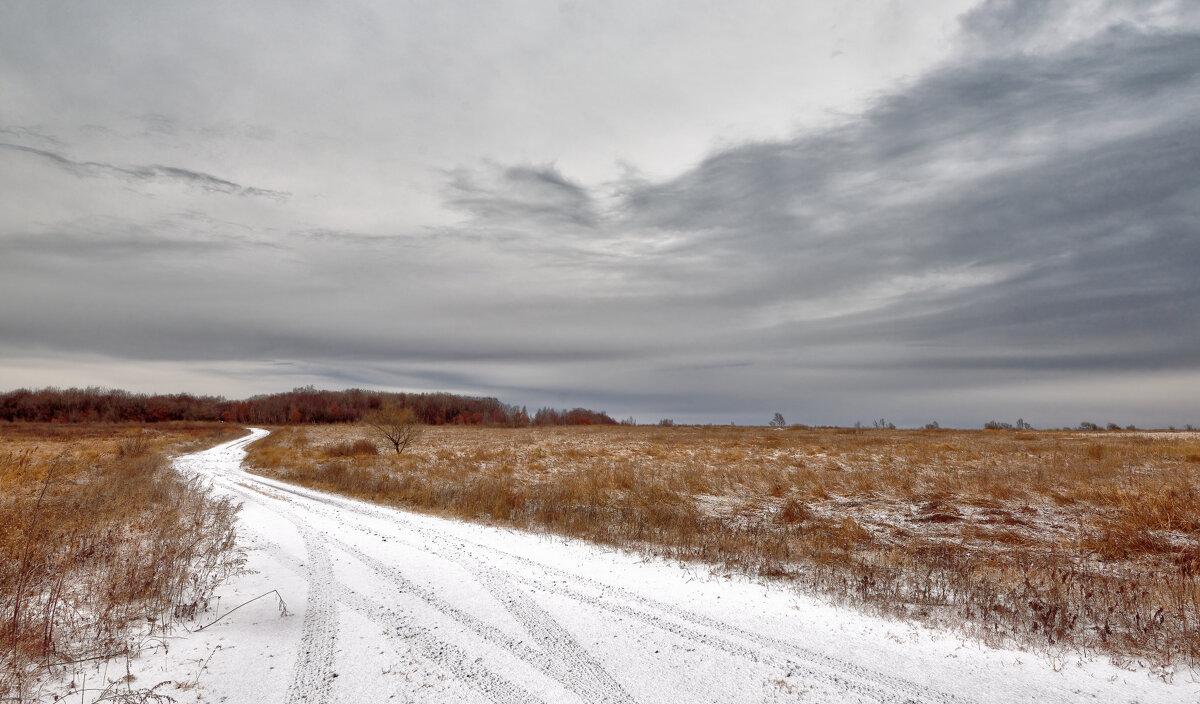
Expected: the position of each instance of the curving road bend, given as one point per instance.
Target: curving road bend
(385, 605)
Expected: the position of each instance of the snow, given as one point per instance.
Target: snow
(388, 605)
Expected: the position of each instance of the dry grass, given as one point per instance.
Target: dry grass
(1084, 540)
(98, 534)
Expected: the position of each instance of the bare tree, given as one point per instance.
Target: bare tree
(778, 421)
(399, 426)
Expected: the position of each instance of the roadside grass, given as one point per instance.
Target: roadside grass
(101, 539)
(1088, 541)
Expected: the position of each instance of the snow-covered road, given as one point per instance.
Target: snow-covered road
(388, 605)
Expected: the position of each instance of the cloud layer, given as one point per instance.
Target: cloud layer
(1011, 231)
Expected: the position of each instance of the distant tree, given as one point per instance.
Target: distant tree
(1088, 425)
(778, 421)
(399, 426)
(932, 426)
(1113, 426)
(997, 425)
(1022, 425)
(575, 416)
(883, 424)
(666, 422)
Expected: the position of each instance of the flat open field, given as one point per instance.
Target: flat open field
(1087, 541)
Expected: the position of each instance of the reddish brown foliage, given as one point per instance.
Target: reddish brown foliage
(303, 405)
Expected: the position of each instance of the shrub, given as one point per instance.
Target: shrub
(352, 448)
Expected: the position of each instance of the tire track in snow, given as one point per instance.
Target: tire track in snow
(653, 612)
(312, 675)
(884, 687)
(595, 682)
(865, 684)
(864, 688)
(560, 656)
(733, 641)
(463, 667)
(571, 673)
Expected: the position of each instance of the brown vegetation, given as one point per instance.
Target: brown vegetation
(302, 405)
(1084, 540)
(99, 534)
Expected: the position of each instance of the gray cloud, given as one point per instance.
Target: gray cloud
(1012, 232)
(1040, 207)
(522, 195)
(150, 172)
(1009, 22)
(1094, 228)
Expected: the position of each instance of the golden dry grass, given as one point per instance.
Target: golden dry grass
(98, 533)
(1085, 540)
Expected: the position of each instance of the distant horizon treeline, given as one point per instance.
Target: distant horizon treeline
(300, 405)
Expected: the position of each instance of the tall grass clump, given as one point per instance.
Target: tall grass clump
(99, 536)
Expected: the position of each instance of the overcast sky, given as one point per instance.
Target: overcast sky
(841, 211)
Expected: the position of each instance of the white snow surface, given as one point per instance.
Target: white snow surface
(386, 605)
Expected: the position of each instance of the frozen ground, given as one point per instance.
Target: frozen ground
(386, 605)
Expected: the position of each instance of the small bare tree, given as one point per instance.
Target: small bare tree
(399, 426)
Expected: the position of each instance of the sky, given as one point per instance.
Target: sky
(840, 211)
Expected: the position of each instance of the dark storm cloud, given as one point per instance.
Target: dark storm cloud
(1066, 203)
(976, 114)
(150, 172)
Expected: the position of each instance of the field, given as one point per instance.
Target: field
(101, 542)
(1085, 541)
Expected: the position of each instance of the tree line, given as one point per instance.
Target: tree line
(301, 405)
